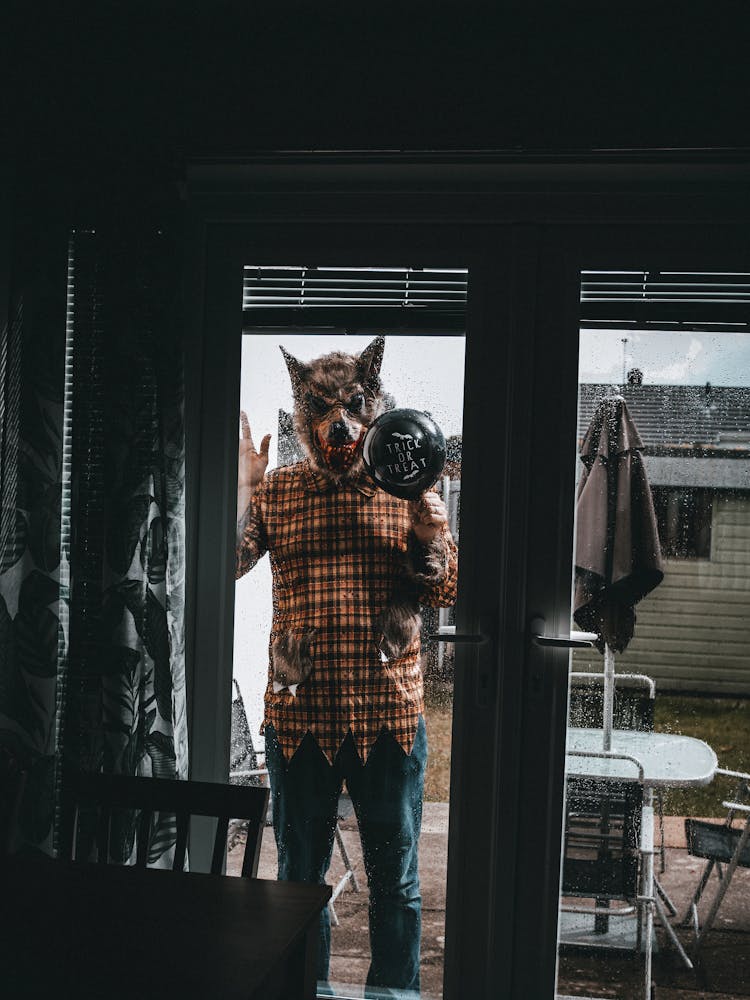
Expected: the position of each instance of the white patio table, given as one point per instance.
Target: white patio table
(667, 759)
(654, 760)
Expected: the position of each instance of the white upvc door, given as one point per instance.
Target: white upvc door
(667, 252)
(517, 500)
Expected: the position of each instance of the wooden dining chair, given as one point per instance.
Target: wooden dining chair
(149, 796)
(12, 786)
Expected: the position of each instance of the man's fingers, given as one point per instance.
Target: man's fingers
(429, 509)
(247, 436)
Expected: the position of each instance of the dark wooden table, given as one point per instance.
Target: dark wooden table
(106, 932)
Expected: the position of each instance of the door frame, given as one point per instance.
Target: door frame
(518, 227)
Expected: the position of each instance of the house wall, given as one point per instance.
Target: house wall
(693, 632)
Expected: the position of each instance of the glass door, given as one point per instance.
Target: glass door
(659, 688)
(354, 596)
(343, 666)
(358, 587)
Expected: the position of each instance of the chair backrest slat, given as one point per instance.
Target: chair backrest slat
(103, 829)
(12, 786)
(180, 847)
(251, 857)
(220, 845)
(144, 832)
(183, 799)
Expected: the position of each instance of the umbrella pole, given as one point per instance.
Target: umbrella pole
(609, 696)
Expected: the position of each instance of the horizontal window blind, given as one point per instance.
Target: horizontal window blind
(354, 296)
(393, 288)
(691, 299)
(420, 297)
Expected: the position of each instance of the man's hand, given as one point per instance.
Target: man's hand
(252, 463)
(251, 467)
(428, 516)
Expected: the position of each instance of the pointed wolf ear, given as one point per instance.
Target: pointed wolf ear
(297, 371)
(369, 362)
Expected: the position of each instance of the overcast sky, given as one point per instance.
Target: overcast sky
(668, 358)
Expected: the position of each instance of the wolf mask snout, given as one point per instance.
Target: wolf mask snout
(338, 433)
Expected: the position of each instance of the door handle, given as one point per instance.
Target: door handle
(575, 640)
(485, 666)
(447, 633)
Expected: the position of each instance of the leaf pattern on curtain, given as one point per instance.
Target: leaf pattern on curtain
(92, 551)
(32, 602)
(125, 693)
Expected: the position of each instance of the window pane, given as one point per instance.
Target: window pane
(662, 557)
(684, 518)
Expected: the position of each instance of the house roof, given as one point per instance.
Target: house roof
(679, 416)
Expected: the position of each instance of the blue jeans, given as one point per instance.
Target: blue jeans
(387, 796)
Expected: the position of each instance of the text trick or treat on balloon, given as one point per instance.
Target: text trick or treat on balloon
(404, 452)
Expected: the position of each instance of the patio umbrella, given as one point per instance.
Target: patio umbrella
(618, 556)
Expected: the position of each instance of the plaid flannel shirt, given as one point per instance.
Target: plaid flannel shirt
(337, 553)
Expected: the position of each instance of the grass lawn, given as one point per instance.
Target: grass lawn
(724, 723)
(438, 718)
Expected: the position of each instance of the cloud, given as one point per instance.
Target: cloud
(696, 348)
(679, 370)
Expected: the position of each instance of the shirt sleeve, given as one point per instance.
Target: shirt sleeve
(435, 569)
(252, 542)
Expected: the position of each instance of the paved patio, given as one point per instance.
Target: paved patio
(722, 973)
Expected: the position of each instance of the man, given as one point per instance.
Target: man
(344, 701)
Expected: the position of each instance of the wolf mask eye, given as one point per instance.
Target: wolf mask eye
(318, 405)
(356, 403)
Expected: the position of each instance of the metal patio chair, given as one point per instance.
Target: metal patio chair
(608, 842)
(634, 700)
(244, 768)
(725, 846)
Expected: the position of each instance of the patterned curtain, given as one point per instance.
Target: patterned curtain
(92, 673)
(32, 602)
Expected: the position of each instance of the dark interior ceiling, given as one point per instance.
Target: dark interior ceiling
(141, 79)
(106, 91)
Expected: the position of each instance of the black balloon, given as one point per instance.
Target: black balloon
(404, 452)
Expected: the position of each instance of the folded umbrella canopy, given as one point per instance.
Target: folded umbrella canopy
(618, 556)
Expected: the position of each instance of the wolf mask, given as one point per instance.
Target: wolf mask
(336, 398)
